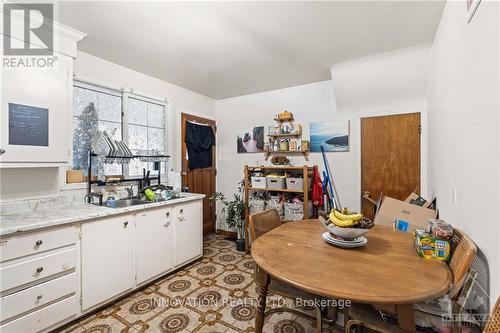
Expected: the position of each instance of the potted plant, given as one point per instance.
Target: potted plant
(234, 211)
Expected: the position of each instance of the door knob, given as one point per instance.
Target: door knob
(39, 269)
(184, 173)
(39, 242)
(125, 223)
(2, 151)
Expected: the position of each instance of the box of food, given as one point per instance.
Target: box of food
(430, 247)
(440, 229)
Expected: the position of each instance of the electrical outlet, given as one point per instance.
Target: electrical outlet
(454, 196)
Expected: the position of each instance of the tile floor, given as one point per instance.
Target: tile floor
(215, 294)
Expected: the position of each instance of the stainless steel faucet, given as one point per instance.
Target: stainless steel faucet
(130, 191)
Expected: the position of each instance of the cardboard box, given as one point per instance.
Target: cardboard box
(403, 213)
(74, 176)
(416, 199)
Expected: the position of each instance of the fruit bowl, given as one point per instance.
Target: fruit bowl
(346, 233)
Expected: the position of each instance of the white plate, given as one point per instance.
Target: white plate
(337, 239)
(360, 241)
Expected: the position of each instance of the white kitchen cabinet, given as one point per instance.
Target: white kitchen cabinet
(188, 236)
(47, 87)
(107, 250)
(41, 88)
(153, 239)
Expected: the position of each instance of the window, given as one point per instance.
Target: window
(142, 125)
(146, 131)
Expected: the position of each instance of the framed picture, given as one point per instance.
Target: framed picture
(471, 7)
(333, 136)
(250, 140)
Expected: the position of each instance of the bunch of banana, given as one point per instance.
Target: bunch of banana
(344, 219)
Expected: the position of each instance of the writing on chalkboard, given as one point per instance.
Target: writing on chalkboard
(28, 125)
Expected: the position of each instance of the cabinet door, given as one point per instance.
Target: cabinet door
(46, 88)
(187, 232)
(153, 237)
(107, 259)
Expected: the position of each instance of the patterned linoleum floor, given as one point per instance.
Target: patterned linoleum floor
(215, 294)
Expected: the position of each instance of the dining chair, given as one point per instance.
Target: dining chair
(261, 223)
(463, 253)
(493, 325)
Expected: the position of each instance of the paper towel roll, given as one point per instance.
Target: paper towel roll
(175, 180)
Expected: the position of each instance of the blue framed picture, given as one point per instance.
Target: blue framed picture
(333, 136)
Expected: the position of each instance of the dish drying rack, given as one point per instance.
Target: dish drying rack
(144, 156)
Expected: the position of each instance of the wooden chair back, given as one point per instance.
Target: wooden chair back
(463, 254)
(262, 222)
(493, 325)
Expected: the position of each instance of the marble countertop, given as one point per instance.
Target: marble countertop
(32, 215)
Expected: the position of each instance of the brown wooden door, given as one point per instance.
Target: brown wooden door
(390, 157)
(200, 180)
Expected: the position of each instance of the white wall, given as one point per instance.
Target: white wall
(382, 82)
(316, 103)
(99, 71)
(464, 126)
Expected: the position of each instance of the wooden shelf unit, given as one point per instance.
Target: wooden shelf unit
(289, 135)
(306, 172)
(267, 154)
(278, 136)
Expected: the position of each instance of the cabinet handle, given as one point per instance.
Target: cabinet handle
(2, 151)
(125, 223)
(167, 223)
(39, 242)
(182, 211)
(39, 297)
(168, 214)
(39, 269)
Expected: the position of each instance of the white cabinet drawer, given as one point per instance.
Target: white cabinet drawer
(43, 318)
(37, 296)
(35, 269)
(35, 242)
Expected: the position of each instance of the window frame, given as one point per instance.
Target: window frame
(125, 126)
(124, 96)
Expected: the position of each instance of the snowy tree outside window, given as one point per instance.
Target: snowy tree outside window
(142, 126)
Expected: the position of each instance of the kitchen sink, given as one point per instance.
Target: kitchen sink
(136, 201)
(130, 202)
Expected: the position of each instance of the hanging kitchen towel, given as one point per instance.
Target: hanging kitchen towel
(199, 141)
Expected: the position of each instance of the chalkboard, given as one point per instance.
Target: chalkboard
(28, 125)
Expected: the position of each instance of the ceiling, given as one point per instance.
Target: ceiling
(226, 49)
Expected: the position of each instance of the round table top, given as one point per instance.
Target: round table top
(386, 270)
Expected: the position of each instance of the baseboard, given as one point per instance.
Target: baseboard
(226, 233)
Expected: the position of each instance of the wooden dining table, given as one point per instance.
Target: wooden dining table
(387, 270)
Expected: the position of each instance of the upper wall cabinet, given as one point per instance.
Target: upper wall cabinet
(35, 117)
